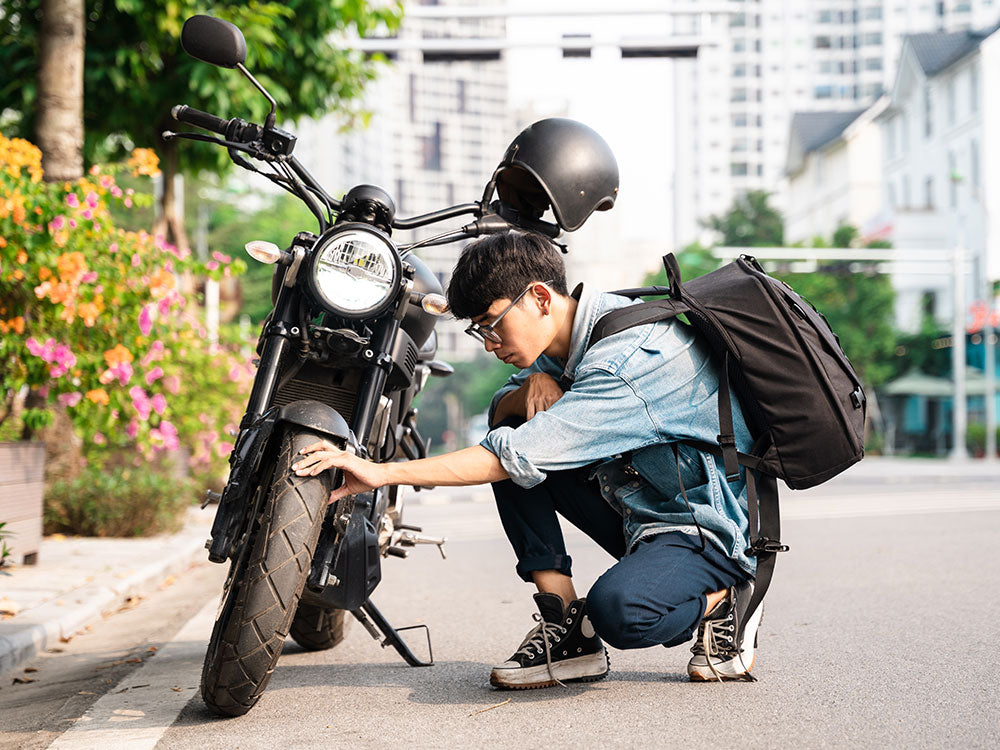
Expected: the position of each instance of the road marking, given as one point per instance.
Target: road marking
(137, 712)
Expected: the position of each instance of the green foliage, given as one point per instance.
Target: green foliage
(230, 228)
(122, 501)
(750, 222)
(135, 69)
(473, 385)
(4, 549)
(975, 438)
(96, 320)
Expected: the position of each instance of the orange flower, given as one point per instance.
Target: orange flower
(161, 282)
(71, 266)
(89, 311)
(44, 273)
(16, 324)
(99, 396)
(22, 257)
(117, 355)
(144, 162)
(3, 242)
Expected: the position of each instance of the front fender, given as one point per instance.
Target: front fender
(318, 417)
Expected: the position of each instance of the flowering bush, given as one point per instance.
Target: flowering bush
(96, 319)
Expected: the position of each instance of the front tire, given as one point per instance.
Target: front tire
(258, 606)
(318, 628)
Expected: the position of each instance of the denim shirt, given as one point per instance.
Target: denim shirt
(636, 391)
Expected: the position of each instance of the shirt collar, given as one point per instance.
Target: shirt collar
(587, 309)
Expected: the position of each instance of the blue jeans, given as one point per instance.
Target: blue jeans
(654, 595)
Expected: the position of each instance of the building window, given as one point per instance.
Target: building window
(739, 45)
(873, 63)
(738, 95)
(950, 95)
(826, 66)
(739, 120)
(928, 113)
(929, 193)
(738, 169)
(822, 42)
(974, 166)
(430, 150)
(872, 39)
(461, 96)
(739, 71)
(823, 92)
(953, 178)
(872, 13)
(974, 89)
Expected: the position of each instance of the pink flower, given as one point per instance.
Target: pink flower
(234, 373)
(130, 191)
(70, 399)
(159, 403)
(92, 199)
(132, 430)
(34, 346)
(223, 449)
(87, 214)
(99, 439)
(140, 402)
(155, 353)
(153, 375)
(113, 247)
(106, 180)
(222, 258)
(172, 384)
(122, 372)
(72, 200)
(167, 434)
(116, 191)
(89, 278)
(57, 223)
(136, 260)
(212, 265)
(128, 203)
(163, 306)
(145, 321)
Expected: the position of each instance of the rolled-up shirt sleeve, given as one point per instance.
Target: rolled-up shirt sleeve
(583, 426)
(542, 364)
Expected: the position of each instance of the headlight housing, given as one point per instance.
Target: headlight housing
(355, 271)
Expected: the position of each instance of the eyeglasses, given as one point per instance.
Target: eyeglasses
(488, 333)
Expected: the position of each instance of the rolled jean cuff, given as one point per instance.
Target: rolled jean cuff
(559, 563)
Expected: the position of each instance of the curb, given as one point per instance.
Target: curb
(48, 624)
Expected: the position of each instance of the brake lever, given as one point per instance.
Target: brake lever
(257, 153)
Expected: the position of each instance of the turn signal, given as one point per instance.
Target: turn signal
(435, 304)
(265, 252)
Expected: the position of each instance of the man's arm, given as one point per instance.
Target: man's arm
(474, 465)
(538, 392)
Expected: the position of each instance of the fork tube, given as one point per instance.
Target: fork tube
(374, 379)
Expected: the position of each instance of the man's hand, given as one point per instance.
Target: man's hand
(359, 475)
(540, 391)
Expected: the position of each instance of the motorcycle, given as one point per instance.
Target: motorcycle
(348, 345)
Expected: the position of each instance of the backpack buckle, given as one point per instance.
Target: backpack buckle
(858, 397)
(765, 546)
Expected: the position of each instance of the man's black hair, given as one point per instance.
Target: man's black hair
(500, 266)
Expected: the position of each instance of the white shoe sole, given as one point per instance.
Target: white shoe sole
(734, 669)
(587, 668)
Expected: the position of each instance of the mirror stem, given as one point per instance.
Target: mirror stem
(269, 122)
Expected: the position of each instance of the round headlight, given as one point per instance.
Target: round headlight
(356, 272)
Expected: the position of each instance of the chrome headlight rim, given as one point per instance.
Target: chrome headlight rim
(373, 311)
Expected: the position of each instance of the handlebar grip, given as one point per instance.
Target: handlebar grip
(204, 120)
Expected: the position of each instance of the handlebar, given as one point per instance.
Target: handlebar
(204, 120)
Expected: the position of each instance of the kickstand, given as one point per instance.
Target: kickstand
(379, 623)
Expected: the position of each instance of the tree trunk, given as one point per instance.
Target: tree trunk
(170, 222)
(59, 128)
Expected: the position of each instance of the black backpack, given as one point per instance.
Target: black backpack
(803, 402)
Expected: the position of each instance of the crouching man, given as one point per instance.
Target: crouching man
(596, 434)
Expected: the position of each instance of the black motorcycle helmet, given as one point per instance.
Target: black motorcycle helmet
(562, 163)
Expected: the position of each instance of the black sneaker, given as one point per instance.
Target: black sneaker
(563, 647)
(716, 653)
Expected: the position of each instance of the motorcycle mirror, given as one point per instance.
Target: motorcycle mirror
(214, 41)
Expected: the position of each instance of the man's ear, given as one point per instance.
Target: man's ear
(543, 296)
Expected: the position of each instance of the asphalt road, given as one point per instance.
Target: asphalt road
(878, 631)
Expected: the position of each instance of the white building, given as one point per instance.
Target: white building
(834, 171)
(437, 130)
(941, 150)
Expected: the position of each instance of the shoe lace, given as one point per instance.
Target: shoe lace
(538, 640)
(717, 640)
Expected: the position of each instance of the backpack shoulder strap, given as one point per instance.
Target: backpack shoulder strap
(623, 318)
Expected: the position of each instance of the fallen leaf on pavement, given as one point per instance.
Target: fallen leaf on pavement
(8, 608)
(31, 669)
(21, 681)
(136, 660)
(178, 690)
(56, 538)
(54, 650)
(167, 582)
(86, 692)
(152, 648)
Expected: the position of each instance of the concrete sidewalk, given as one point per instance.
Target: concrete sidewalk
(79, 579)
